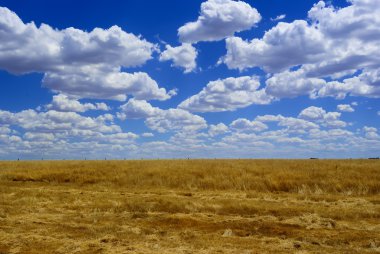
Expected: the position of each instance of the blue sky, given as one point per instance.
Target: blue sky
(178, 79)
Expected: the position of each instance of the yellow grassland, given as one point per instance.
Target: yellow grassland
(190, 206)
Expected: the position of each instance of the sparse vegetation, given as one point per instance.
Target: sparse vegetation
(190, 206)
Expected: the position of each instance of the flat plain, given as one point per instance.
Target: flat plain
(190, 206)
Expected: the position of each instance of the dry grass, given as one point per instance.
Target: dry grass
(190, 206)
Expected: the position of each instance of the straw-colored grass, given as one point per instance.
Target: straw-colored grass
(190, 206)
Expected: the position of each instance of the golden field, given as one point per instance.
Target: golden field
(190, 206)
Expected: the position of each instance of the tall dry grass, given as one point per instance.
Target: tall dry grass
(190, 206)
(359, 177)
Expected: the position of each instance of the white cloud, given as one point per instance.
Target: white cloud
(5, 130)
(291, 123)
(336, 43)
(331, 41)
(39, 136)
(52, 129)
(137, 109)
(312, 113)
(283, 46)
(62, 102)
(9, 140)
(319, 115)
(71, 134)
(369, 129)
(370, 132)
(308, 119)
(217, 129)
(227, 95)
(243, 124)
(297, 124)
(296, 137)
(334, 89)
(182, 56)
(296, 83)
(78, 63)
(162, 120)
(331, 134)
(55, 121)
(193, 141)
(359, 20)
(332, 120)
(60, 134)
(335, 54)
(279, 17)
(88, 82)
(116, 138)
(345, 108)
(28, 48)
(365, 84)
(102, 106)
(176, 120)
(219, 19)
(290, 84)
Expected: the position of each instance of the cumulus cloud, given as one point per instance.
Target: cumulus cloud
(335, 53)
(62, 102)
(365, 84)
(71, 134)
(345, 108)
(137, 109)
(56, 121)
(227, 95)
(87, 82)
(39, 136)
(176, 120)
(359, 20)
(183, 56)
(59, 134)
(289, 84)
(319, 115)
(312, 113)
(120, 138)
(217, 129)
(79, 63)
(219, 19)
(370, 132)
(284, 46)
(291, 123)
(5, 130)
(331, 39)
(162, 120)
(243, 124)
(308, 119)
(54, 128)
(28, 48)
(300, 137)
(331, 134)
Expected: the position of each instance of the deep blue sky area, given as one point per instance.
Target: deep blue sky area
(217, 111)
